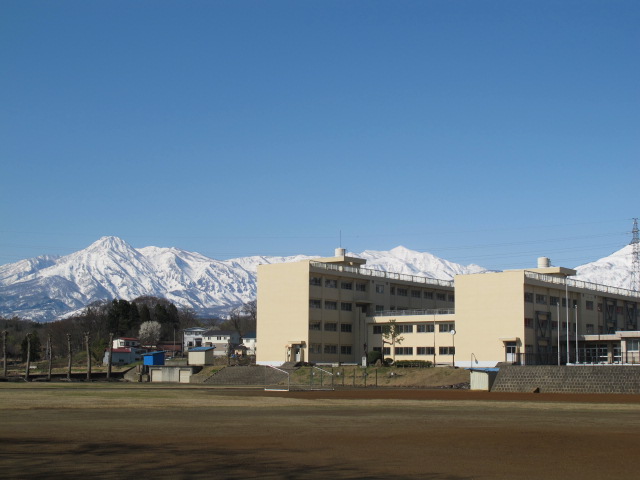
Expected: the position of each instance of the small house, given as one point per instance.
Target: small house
(201, 355)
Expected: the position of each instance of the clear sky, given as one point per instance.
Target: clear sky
(488, 132)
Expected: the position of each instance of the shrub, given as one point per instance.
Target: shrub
(388, 361)
(413, 364)
(373, 357)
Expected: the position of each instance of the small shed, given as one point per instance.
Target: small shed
(153, 358)
(201, 355)
(483, 378)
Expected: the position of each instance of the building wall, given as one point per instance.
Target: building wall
(283, 310)
(489, 312)
(424, 337)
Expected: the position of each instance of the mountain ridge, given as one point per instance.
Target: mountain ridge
(46, 288)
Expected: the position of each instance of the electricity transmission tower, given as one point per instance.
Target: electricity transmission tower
(635, 262)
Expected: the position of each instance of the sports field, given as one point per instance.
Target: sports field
(150, 431)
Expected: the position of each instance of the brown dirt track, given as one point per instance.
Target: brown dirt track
(186, 432)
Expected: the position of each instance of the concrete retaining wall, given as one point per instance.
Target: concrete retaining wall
(568, 379)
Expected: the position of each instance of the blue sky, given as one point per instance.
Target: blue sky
(488, 132)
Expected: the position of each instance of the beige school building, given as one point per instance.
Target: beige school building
(333, 310)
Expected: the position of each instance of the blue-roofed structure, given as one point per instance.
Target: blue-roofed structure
(153, 358)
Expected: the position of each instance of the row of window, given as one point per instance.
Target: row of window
(329, 349)
(419, 350)
(420, 328)
(331, 327)
(331, 305)
(333, 283)
(362, 287)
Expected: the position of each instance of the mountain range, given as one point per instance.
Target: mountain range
(47, 288)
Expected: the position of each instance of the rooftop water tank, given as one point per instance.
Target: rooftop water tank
(544, 262)
(340, 252)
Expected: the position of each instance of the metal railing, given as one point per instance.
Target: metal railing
(381, 274)
(581, 284)
(401, 313)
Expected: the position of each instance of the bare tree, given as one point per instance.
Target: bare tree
(391, 336)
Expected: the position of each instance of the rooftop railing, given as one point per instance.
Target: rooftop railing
(581, 284)
(402, 313)
(381, 274)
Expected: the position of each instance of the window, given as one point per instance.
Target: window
(346, 307)
(441, 296)
(633, 345)
(589, 305)
(447, 351)
(386, 351)
(329, 283)
(379, 308)
(528, 297)
(416, 294)
(425, 328)
(426, 350)
(392, 290)
(331, 349)
(346, 286)
(361, 287)
(314, 326)
(377, 329)
(331, 327)
(564, 302)
(528, 322)
(403, 292)
(345, 349)
(330, 305)
(404, 350)
(554, 325)
(317, 281)
(405, 328)
(589, 328)
(379, 288)
(315, 304)
(446, 327)
(452, 298)
(542, 299)
(315, 348)
(345, 327)
(428, 295)
(554, 300)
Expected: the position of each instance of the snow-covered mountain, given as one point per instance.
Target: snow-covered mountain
(614, 270)
(46, 288)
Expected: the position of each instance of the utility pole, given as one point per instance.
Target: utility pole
(635, 260)
(69, 354)
(86, 340)
(26, 373)
(4, 352)
(110, 356)
(50, 356)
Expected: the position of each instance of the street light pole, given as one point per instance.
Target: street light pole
(453, 357)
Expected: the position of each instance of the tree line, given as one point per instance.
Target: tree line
(119, 317)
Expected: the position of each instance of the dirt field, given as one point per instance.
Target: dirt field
(134, 431)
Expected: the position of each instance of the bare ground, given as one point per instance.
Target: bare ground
(134, 431)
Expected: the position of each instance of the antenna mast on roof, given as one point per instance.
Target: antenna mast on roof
(635, 253)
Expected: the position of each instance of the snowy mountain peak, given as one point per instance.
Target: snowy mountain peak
(46, 288)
